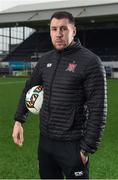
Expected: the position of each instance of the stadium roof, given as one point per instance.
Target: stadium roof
(35, 15)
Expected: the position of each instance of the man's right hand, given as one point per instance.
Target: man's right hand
(18, 134)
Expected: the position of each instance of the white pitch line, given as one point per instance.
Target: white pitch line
(15, 82)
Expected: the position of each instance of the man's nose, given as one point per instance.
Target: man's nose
(59, 33)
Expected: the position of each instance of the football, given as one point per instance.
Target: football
(34, 99)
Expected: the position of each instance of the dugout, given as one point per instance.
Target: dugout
(97, 28)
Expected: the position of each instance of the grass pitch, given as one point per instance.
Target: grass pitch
(21, 162)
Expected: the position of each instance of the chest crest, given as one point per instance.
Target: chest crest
(71, 67)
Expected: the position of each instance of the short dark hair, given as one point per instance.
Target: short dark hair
(63, 14)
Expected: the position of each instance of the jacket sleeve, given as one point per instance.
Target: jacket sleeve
(96, 103)
(35, 79)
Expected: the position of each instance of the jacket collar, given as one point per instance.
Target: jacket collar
(70, 49)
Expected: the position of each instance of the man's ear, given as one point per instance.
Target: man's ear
(74, 31)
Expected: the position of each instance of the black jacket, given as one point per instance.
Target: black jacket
(75, 104)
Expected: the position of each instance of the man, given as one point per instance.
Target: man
(73, 113)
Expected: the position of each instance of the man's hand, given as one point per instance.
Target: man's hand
(18, 134)
(84, 158)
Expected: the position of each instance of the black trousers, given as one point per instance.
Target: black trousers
(59, 159)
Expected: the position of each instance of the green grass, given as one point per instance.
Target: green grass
(16, 162)
(104, 163)
(21, 162)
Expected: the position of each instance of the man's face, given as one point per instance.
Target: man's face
(62, 33)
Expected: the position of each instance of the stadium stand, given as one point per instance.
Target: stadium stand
(5, 71)
(35, 43)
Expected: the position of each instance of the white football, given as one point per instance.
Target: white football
(34, 99)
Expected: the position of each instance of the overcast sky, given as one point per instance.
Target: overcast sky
(5, 4)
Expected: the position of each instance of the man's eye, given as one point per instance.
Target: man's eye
(53, 29)
(64, 29)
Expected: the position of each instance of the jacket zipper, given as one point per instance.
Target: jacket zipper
(50, 94)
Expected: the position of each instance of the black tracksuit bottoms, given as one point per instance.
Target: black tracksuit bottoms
(60, 159)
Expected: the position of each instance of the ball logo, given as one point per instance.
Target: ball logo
(34, 99)
(30, 104)
(38, 89)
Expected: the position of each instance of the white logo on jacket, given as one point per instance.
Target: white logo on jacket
(49, 65)
(79, 173)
